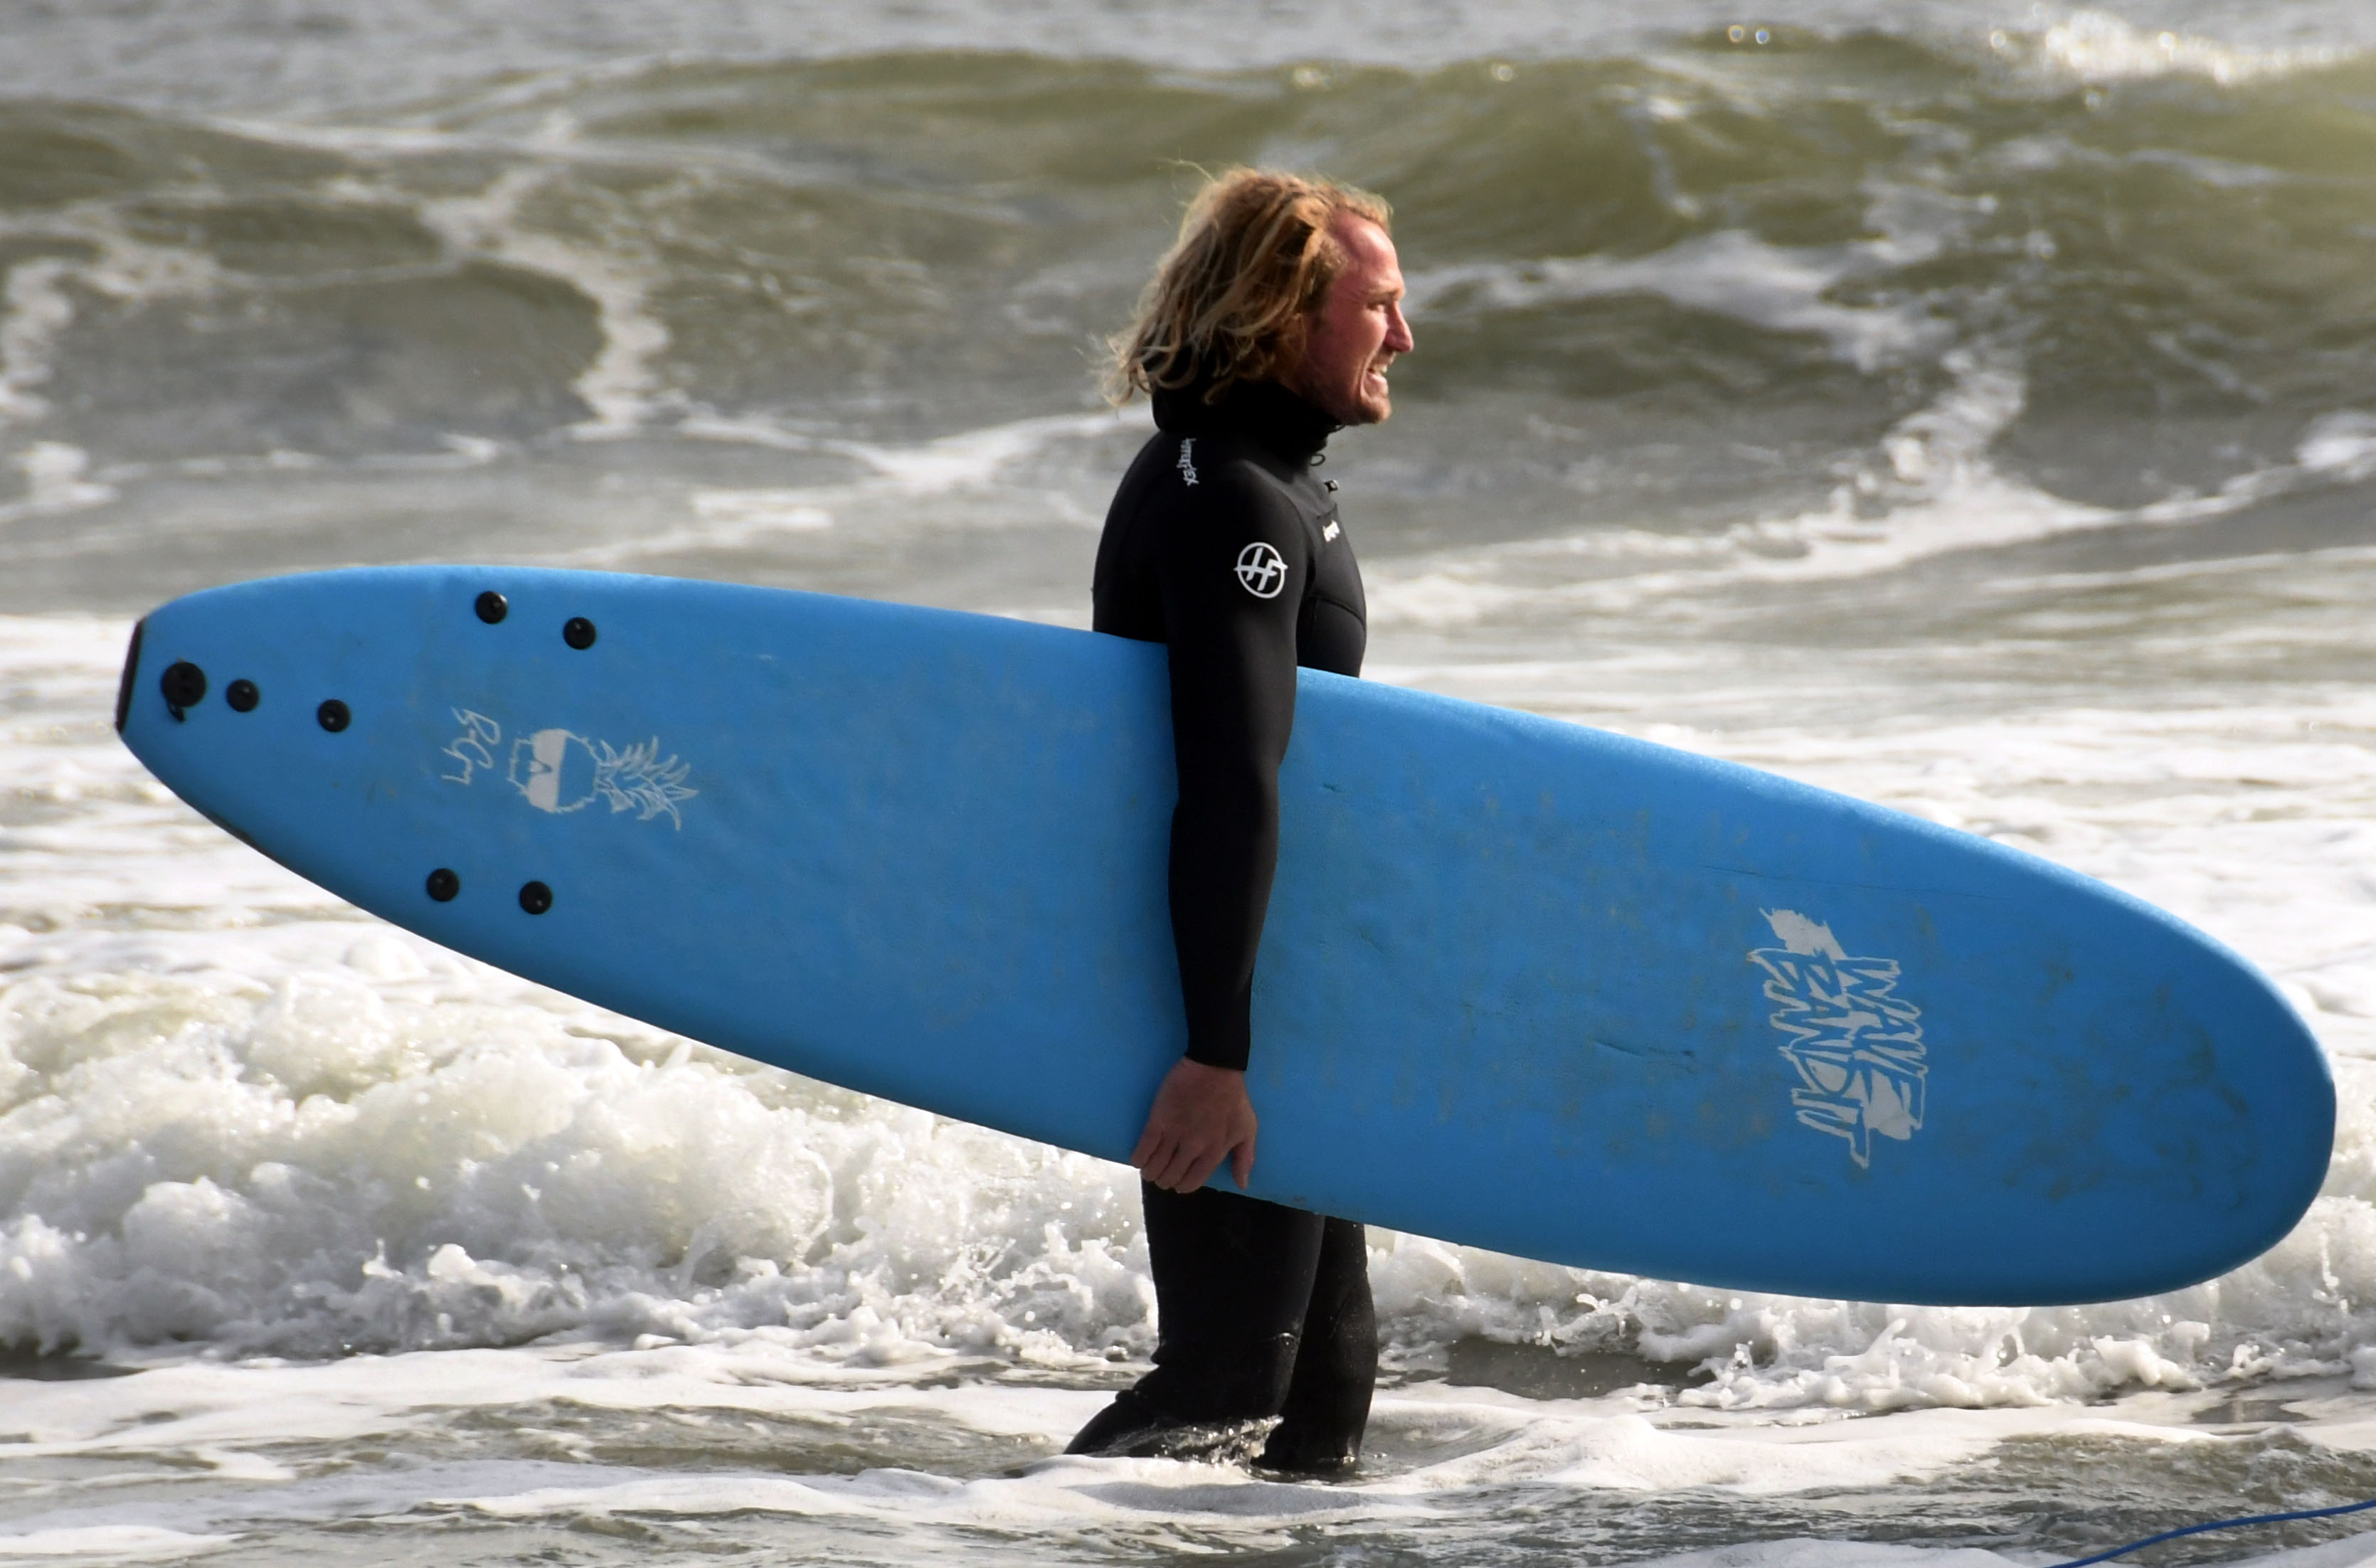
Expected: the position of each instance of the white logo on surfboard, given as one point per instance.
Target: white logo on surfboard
(1856, 1044)
(1262, 569)
(561, 771)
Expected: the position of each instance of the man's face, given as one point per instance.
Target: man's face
(1357, 330)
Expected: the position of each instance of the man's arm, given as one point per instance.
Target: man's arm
(1232, 584)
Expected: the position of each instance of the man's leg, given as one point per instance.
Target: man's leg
(1233, 1285)
(1335, 1367)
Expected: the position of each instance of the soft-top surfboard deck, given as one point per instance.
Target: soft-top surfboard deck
(1524, 985)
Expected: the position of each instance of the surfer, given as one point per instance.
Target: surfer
(1270, 324)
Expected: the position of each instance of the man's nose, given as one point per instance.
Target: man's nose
(1398, 332)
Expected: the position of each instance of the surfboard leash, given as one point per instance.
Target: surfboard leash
(2218, 1525)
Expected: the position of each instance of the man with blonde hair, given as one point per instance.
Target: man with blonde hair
(1270, 324)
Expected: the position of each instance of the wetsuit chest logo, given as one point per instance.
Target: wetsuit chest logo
(1188, 460)
(1262, 570)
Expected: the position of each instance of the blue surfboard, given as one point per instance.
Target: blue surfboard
(1525, 985)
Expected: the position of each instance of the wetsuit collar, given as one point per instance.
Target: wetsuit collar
(1262, 412)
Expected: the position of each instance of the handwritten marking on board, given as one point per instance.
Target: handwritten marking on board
(1856, 1044)
(474, 748)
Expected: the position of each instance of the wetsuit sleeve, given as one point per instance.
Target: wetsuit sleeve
(1230, 582)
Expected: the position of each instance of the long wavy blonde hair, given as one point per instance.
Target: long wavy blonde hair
(1229, 299)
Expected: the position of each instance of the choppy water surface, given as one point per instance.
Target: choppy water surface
(1971, 410)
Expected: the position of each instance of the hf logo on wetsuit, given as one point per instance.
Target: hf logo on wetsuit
(1262, 569)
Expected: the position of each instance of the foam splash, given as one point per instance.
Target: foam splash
(37, 302)
(745, 1420)
(620, 384)
(738, 1448)
(1929, 490)
(37, 312)
(892, 475)
(55, 481)
(2096, 47)
(1778, 288)
(320, 1169)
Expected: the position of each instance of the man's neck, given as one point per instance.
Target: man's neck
(1262, 411)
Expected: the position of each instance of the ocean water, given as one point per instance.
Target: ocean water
(1969, 407)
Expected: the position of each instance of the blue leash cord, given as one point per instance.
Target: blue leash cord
(2218, 1525)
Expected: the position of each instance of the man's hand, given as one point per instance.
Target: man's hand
(1201, 1117)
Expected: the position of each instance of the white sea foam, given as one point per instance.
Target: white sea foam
(1728, 273)
(1929, 490)
(622, 385)
(972, 456)
(1469, 1455)
(741, 515)
(2342, 444)
(894, 477)
(37, 311)
(113, 1543)
(55, 481)
(320, 1167)
(37, 305)
(420, 49)
(234, 1417)
(2096, 46)
(959, 461)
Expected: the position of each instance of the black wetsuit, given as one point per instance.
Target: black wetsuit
(1224, 543)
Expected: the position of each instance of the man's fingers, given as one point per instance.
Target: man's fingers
(1159, 1148)
(1195, 1172)
(1196, 1167)
(1154, 1154)
(1179, 1164)
(1172, 1165)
